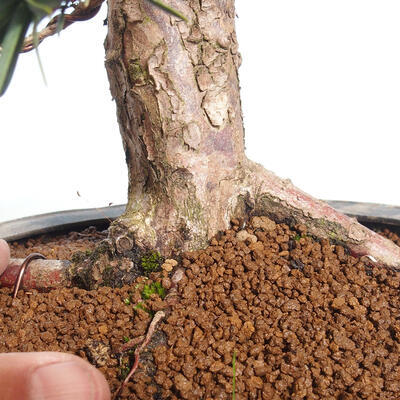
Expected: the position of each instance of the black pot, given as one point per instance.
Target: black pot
(369, 214)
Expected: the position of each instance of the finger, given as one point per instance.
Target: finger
(4, 255)
(50, 376)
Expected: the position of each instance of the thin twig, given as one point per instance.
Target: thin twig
(157, 318)
(81, 13)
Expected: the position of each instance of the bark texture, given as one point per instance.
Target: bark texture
(176, 87)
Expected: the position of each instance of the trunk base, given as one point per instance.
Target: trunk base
(249, 191)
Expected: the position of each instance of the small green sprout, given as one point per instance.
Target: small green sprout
(126, 339)
(127, 301)
(297, 237)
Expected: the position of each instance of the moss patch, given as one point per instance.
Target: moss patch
(154, 288)
(151, 262)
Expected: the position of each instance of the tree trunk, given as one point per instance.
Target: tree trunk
(177, 92)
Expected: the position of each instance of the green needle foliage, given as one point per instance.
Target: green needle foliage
(16, 16)
(168, 9)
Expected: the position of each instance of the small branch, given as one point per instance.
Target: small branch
(157, 318)
(81, 13)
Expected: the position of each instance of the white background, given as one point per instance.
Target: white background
(320, 92)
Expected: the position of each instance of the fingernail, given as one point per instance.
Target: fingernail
(63, 381)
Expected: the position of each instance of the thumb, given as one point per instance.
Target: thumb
(50, 376)
(4, 255)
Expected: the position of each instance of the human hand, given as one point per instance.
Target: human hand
(47, 375)
(4, 255)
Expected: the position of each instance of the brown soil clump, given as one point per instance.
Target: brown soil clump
(305, 320)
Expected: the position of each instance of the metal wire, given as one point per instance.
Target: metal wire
(22, 269)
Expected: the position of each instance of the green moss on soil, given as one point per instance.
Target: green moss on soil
(153, 288)
(151, 262)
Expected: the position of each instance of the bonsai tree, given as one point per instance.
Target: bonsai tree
(173, 73)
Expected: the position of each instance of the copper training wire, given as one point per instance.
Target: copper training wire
(22, 269)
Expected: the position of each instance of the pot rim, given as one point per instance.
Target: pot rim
(22, 228)
(58, 221)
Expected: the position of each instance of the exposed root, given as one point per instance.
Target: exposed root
(250, 191)
(267, 194)
(157, 318)
(130, 345)
(176, 277)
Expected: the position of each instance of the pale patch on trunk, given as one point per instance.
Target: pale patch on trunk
(216, 106)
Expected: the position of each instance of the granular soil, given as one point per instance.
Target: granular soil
(304, 319)
(91, 324)
(58, 246)
(393, 236)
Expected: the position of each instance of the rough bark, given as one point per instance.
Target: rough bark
(176, 87)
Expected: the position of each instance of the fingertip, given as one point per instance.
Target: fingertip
(68, 380)
(4, 255)
(50, 375)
